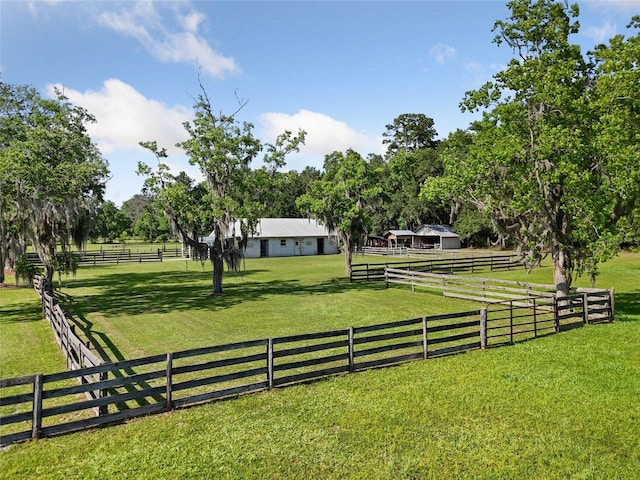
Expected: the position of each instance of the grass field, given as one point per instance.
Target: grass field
(565, 406)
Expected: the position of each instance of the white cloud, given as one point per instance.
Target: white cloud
(324, 135)
(601, 34)
(616, 6)
(441, 52)
(125, 117)
(144, 23)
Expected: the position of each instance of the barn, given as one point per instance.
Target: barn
(287, 237)
(435, 236)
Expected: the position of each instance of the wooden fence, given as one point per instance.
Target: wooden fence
(383, 251)
(77, 353)
(485, 290)
(124, 255)
(376, 271)
(45, 405)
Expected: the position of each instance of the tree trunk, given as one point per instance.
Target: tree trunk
(218, 266)
(347, 259)
(347, 244)
(560, 262)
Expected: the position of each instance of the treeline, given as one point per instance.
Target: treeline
(412, 157)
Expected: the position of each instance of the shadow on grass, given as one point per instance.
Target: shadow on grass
(156, 293)
(26, 312)
(627, 306)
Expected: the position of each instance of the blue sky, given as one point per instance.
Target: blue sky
(339, 70)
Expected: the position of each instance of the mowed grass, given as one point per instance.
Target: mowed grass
(134, 310)
(563, 406)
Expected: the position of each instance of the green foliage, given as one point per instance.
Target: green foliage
(109, 222)
(25, 270)
(66, 263)
(51, 170)
(410, 132)
(338, 200)
(151, 224)
(222, 148)
(551, 177)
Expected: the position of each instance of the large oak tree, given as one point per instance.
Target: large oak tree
(554, 160)
(338, 199)
(222, 148)
(52, 175)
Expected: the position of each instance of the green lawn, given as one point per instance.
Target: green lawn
(135, 310)
(564, 406)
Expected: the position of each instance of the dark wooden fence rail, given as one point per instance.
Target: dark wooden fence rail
(45, 405)
(77, 353)
(376, 271)
(122, 255)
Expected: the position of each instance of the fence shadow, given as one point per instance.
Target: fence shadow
(628, 306)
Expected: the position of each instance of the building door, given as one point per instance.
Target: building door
(264, 248)
(321, 246)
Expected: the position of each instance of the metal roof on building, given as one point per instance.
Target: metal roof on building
(400, 233)
(286, 228)
(443, 231)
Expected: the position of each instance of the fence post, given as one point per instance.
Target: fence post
(483, 328)
(612, 304)
(169, 399)
(103, 393)
(270, 363)
(585, 308)
(556, 320)
(535, 319)
(350, 349)
(510, 321)
(37, 406)
(425, 347)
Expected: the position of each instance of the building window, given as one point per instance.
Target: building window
(283, 243)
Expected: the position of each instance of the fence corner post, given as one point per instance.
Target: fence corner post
(612, 303)
(37, 406)
(585, 308)
(556, 318)
(483, 328)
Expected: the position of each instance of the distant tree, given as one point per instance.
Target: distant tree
(109, 222)
(51, 173)
(412, 157)
(151, 224)
(554, 160)
(409, 132)
(133, 207)
(339, 198)
(284, 190)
